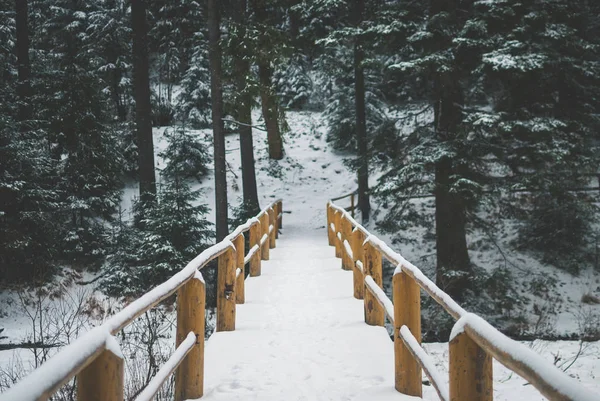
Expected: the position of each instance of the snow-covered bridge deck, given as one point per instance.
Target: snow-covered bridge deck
(301, 334)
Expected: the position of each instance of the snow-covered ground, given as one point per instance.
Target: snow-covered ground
(309, 175)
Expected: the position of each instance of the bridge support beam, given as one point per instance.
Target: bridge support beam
(191, 304)
(273, 221)
(226, 291)
(240, 291)
(264, 229)
(330, 233)
(255, 240)
(337, 217)
(407, 312)
(103, 379)
(470, 370)
(374, 313)
(346, 236)
(358, 238)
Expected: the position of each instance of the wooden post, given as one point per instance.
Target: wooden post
(330, 235)
(264, 229)
(337, 217)
(102, 380)
(277, 211)
(407, 312)
(352, 204)
(239, 243)
(374, 313)
(191, 304)
(254, 240)
(470, 371)
(273, 221)
(280, 218)
(347, 262)
(226, 291)
(358, 237)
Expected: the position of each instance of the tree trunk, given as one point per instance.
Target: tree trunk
(216, 93)
(361, 120)
(453, 266)
(270, 111)
(23, 64)
(270, 108)
(143, 110)
(244, 116)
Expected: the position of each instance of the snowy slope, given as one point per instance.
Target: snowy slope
(310, 174)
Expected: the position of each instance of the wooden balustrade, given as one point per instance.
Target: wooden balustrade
(95, 357)
(191, 305)
(471, 348)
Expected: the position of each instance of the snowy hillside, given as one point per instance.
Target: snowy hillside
(309, 175)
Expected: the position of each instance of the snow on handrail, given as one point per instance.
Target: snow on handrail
(251, 253)
(547, 378)
(243, 228)
(348, 249)
(359, 265)
(264, 239)
(381, 297)
(168, 368)
(166, 289)
(552, 382)
(425, 362)
(74, 357)
(405, 266)
(49, 377)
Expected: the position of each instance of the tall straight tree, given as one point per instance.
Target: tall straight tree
(243, 109)
(216, 92)
(143, 109)
(361, 117)
(453, 264)
(270, 107)
(23, 64)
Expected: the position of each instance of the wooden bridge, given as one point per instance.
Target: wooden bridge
(304, 330)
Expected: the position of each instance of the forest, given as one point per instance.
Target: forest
(469, 126)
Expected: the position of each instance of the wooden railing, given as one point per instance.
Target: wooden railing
(472, 344)
(95, 357)
(353, 205)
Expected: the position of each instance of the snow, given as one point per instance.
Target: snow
(311, 174)
(513, 351)
(53, 372)
(162, 291)
(169, 367)
(381, 297)
(113, 346)
(426, 363)
(348, 249)
(250, 254)
(300, 335)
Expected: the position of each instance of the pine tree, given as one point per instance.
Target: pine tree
(188, 156)
(83, 143)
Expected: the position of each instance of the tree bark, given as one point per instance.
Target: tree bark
(270, 111)
(270, 108)
(361, 120)
(143, 108)
(23, 64)
(453, 265)
(244, 116)
(216, 90)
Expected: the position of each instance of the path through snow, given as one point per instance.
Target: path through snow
(301, 335)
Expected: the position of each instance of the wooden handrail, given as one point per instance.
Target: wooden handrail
(79, 358)
(473, 341)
